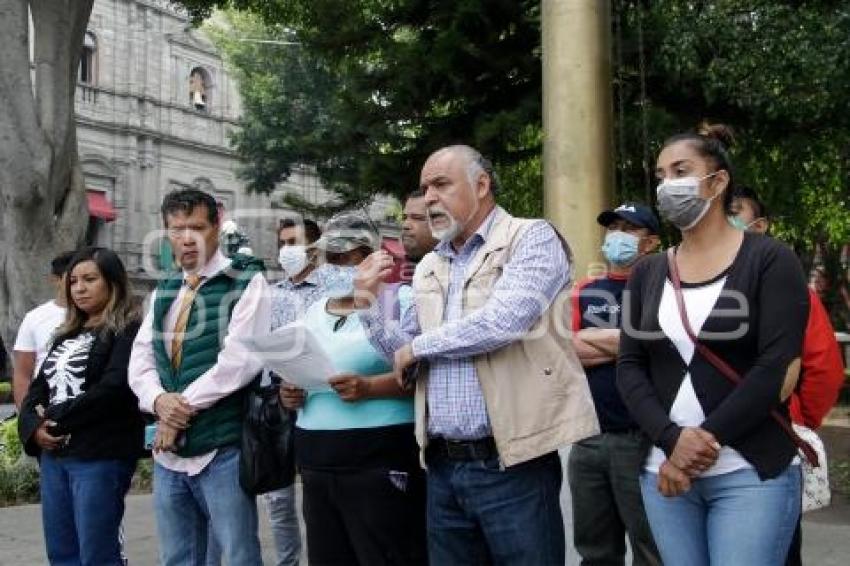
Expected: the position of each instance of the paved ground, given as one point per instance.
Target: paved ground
(826, 534)
(22, 543)
(6, 410)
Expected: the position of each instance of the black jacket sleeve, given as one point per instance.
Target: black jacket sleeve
(28, 419)
(782, 310)
(633, 372)
(109, 395)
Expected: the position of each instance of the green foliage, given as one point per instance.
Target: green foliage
(18, 474)
(143, 478)
(19, 482)
(285, 95)
(778, 72)
(10, 442)
(373, 87)
(522, 185)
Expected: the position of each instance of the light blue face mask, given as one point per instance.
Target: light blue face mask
(736, 222)
(342, 283)
(620, 248)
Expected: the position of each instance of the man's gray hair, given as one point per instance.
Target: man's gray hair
(476, 164)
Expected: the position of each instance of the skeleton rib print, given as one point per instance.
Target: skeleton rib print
(65, 367)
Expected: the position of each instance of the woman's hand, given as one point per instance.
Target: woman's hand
(696, 451)
(291, 397)
(370, 273)
(672, 481)
(46, 440)
(351, 387)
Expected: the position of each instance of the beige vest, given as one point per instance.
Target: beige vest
(535, 389)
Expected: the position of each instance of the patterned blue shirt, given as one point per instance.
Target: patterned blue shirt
(533, 276)
(290, 301)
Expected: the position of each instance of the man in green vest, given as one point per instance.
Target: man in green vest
(189, 368)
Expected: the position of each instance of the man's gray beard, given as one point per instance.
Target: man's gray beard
(447, 234)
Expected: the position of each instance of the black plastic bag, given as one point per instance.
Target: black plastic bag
(267, 461)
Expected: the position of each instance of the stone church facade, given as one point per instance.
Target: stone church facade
(154, 108)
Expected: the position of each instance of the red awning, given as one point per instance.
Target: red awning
(99, 207)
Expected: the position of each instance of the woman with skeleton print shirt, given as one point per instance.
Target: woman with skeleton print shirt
(81, 418)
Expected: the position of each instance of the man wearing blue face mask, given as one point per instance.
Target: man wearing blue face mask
(603, 470)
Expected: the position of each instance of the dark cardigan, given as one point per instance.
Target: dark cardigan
(769, 336)
(104, 421)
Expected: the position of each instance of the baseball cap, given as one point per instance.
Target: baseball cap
(348, 231)
(638, 214)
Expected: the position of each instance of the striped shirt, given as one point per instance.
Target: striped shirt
(537, 270)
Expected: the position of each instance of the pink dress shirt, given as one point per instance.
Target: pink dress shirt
(235, 368)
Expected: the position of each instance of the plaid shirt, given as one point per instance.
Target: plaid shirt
(291, 300)
(535, 273)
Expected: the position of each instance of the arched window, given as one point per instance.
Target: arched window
(88, 60)
(199, 89)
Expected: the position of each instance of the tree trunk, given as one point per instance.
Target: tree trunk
(42, 196)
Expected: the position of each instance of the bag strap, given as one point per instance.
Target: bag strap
(725, 369)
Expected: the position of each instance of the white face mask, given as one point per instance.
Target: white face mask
(292, 259)
(679, 201)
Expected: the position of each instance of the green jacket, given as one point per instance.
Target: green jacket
(221, 424)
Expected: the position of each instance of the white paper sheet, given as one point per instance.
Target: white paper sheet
(294, 353)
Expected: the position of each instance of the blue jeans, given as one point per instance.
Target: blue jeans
(480, 514)
(284, 523)
(187, 505)
(733, 519)
(286, 531)
(82, 504)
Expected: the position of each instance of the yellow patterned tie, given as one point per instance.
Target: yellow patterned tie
(193, 281)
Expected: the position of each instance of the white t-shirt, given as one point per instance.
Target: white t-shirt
(36, 330)
(686, 409)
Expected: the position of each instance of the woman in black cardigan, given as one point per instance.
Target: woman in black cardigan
(721, 483)
(81, 418)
